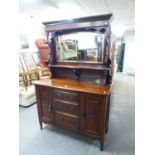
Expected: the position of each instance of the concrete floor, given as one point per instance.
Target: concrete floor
(120, 139)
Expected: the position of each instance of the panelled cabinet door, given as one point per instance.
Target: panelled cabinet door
(91, 114)
(44, 103)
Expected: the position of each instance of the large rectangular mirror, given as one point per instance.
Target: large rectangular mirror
(80, 47)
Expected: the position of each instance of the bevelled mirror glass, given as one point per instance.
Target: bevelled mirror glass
(80, 46)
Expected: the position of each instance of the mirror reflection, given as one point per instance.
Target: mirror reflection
(80, 46)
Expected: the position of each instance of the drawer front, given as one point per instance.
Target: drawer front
(66, 107)
(66, 121)
(68, 96)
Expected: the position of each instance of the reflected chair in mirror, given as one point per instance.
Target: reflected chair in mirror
(67, 49)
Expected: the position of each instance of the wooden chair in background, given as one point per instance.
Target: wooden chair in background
(27, 71)
(42, 69)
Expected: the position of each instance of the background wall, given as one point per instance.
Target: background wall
(32, 28)
(130, 52)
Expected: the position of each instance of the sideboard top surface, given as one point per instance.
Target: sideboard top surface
(75, 85)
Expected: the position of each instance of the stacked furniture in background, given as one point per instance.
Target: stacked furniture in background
(28, 71)
(43, 48)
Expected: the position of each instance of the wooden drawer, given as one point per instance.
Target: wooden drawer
(66, 107)
(67, 121)
(65, 95)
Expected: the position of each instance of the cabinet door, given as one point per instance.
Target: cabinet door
(91, 117)
(44, 103)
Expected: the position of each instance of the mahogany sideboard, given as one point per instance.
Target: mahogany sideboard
(77, 95)
(77, 106)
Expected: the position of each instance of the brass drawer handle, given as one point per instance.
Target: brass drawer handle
(72, 108)
(72, 97)
(58, 94)
(50, 108)
(59, 106)
(72, 122)
(60, 118)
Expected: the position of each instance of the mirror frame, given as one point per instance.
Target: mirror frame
(80, 31)
(93, 23)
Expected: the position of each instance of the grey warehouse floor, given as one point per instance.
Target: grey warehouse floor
(120, 139)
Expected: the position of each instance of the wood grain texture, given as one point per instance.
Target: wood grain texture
(73, 85)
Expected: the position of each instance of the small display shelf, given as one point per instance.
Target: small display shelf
(101, 68)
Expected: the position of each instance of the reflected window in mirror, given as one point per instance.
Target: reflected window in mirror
(80, 46)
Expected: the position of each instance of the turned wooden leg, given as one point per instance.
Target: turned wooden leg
(101, 143)
(41, 125)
